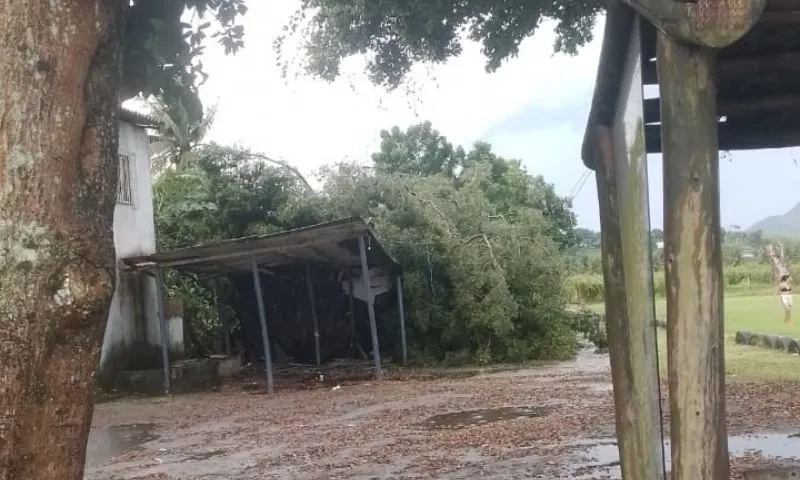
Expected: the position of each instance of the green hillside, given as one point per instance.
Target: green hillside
(786, 225)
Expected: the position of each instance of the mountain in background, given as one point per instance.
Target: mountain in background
(786, 225)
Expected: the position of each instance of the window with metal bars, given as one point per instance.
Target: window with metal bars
(125, 183)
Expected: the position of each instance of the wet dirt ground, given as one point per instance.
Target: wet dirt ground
(549, 422)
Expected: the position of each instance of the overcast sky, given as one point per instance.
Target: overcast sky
(534, 108)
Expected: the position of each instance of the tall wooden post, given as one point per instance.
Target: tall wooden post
(692, 253)
(621, 165)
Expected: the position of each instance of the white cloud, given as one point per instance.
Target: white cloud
(310, 123)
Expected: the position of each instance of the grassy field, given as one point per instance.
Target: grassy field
(759, 314)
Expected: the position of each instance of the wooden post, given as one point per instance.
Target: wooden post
(621, 168)
(401, 312)
(262, 316)
(314, 319)
(373, 328)
(692, 252)
(162, 324)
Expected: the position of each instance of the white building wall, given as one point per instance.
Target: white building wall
(132, 336)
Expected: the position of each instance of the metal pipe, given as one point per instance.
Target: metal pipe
(162, 324)
(262, 316)
(370, 308)
(402, 313)
(314, 319)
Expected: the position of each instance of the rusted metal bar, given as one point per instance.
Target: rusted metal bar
(692, 252)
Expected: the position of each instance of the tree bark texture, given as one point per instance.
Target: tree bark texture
(59, 72)
(693, 260)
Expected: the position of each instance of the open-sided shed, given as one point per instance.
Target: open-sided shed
(719, 74)
(348, 245)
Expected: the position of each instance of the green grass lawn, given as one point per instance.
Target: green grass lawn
(759, 314)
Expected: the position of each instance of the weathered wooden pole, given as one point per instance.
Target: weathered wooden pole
(621, 169)
(692, 254)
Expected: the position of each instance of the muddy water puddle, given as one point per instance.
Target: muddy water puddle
(602, 456)
(469, 418)
(107, 443)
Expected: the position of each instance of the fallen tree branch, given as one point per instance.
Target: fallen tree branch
(775, 257)
(489, 247)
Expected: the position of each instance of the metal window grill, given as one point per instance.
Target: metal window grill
(124, 190)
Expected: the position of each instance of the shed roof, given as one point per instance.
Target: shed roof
(333, 243)
(758, 81)
(136, 118)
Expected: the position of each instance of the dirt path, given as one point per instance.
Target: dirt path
(547, 422)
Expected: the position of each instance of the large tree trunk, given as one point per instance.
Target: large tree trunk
(59, 71)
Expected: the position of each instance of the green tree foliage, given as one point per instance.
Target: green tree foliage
(396, 34)
(483, 275)
(180, 130)
(423, 151)
(218, 193)
(161, 54)
(224, 192)
(420, 150)
(479, 286)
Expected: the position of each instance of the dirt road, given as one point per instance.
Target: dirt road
(545, 422)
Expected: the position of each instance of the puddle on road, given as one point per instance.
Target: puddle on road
(458, 420)
(107, 443)
(602, 455)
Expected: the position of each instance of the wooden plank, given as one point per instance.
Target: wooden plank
(735, 138)
(643, 440)
(738, 108)
(743, 67)
(692, 252)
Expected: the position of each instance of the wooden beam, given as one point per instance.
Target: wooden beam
(737, 108)
(736, 137)
(692, 252)
(706, 23)
(743, 67)
(780, 19)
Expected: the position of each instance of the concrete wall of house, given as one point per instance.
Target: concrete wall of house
(132, 338)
